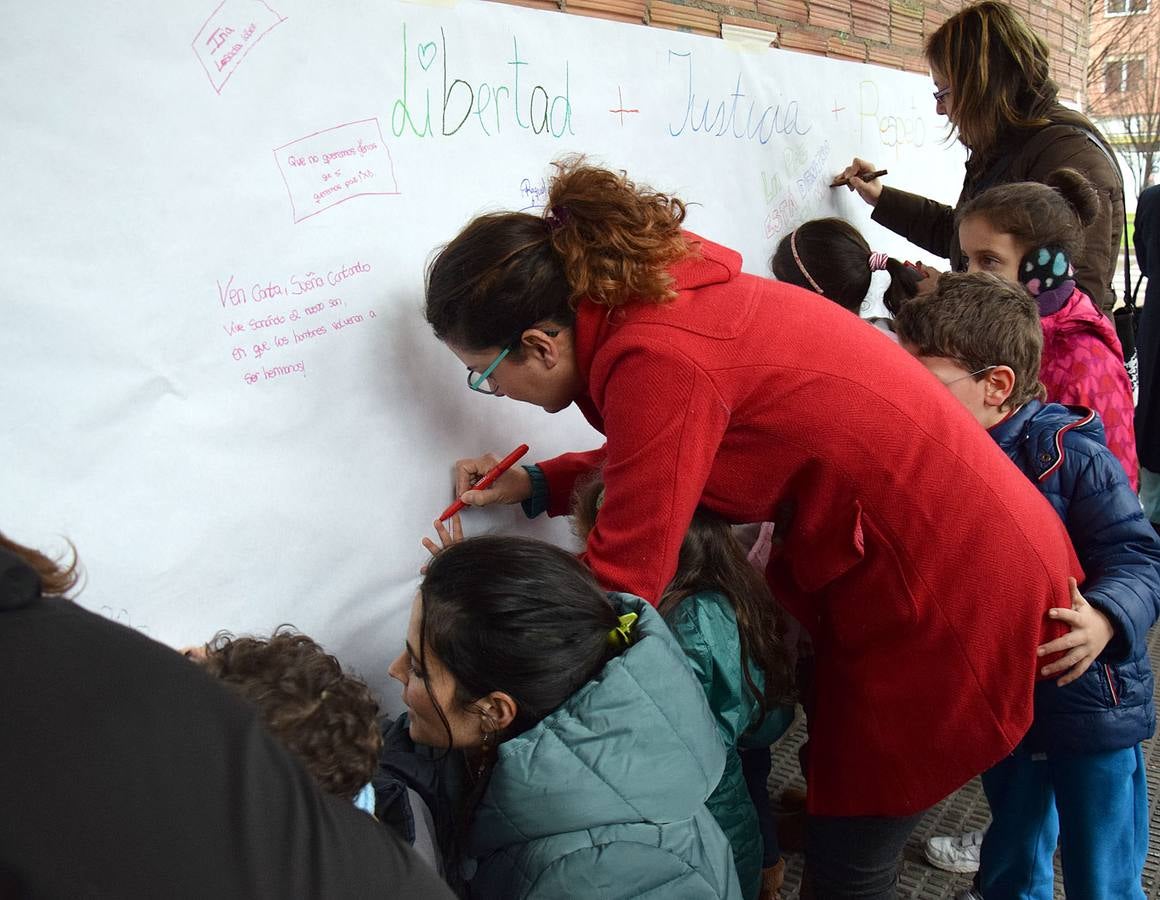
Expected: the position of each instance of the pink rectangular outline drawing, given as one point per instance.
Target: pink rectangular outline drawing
(390, 161)
(249, 46)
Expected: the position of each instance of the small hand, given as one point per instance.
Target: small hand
(513, 486)
(446, 537)
(1090, 633)
(930, 278)
(870, 190)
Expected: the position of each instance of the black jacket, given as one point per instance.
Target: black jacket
(1147, 241)
(126, 771)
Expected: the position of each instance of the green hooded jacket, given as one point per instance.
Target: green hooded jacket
(705, 627)
(605, 798)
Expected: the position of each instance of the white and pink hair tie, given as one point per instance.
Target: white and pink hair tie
(878, 261)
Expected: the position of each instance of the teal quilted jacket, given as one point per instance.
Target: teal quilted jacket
(605, 798)
(706, 629)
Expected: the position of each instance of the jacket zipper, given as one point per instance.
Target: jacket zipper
(1111, 685)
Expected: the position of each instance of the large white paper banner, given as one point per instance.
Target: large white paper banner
(217, 381)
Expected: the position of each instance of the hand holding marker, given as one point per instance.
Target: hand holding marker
(844, 180)
(487, 480)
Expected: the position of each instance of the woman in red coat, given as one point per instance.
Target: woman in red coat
(919, 559)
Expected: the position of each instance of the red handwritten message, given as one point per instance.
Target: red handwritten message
(261, 319)
(229, 34)
(330, 167)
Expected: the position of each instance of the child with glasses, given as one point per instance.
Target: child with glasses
(1078, 776)
(1031, 233)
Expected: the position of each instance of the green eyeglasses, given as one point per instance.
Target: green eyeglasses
(482, 382)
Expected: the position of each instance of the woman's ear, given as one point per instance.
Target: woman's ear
(998, 385)
(544, 343)
(498, 710)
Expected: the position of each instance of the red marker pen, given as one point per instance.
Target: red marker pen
(487, 480)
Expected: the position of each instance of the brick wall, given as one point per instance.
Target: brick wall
(884, 32)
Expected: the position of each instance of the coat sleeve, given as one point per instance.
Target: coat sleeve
(1115, 543)
(664, 421)
(927, 223)
(563, 472)
(715, 657)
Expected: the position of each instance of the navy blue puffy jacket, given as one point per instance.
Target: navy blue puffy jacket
(1110, 706)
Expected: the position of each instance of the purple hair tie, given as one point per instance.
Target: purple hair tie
(558, 217)
(878, 261)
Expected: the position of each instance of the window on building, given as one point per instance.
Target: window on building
(1124, 76)
(1125, 7)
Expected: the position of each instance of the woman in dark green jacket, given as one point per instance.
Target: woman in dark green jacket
(991, 80)
(588, 745)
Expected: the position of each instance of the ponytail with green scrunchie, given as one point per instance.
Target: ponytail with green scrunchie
(620, 637)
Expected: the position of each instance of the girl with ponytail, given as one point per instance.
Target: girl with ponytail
(1031, 233)
(830, 257)
(552, 700)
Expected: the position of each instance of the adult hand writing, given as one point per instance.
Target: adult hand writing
(513, 486)
(869, 190)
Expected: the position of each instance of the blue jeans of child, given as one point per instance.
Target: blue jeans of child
(1094, 804)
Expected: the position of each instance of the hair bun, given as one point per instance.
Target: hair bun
(1078, 192)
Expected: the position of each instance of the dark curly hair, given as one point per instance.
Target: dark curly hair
(325, 717)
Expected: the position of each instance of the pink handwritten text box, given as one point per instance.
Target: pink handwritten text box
(330, 167)
(229, 34)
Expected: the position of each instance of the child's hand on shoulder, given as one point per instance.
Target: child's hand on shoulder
(1090, 633)
(446, 537)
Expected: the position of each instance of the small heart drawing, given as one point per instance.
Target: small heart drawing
(426, 55)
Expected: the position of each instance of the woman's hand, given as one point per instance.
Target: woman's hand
(513, 486)
(447, 537)
(1089, 635)
(870, 190)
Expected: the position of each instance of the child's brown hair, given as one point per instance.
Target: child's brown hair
(712, 559)
(1039, 215)
(979, 320)
(831, 257)
(325, 717)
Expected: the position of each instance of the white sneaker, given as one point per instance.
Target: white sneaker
(955, 854)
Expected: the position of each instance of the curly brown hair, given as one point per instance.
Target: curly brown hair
(325, 717)
(602, 238)
(57, 577)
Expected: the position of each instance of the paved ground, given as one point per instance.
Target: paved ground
(962, 811)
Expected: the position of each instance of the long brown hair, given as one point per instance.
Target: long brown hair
(57, 577)
(836, 256)
(712, 559)
(602, 238)
(997, 69)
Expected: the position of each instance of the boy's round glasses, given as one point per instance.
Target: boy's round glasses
(969, 375)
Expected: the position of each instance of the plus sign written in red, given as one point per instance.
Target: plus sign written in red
(620, 110)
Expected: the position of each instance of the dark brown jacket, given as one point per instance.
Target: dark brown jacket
(1026, 155)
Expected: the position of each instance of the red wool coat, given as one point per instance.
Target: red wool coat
(919, 558)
